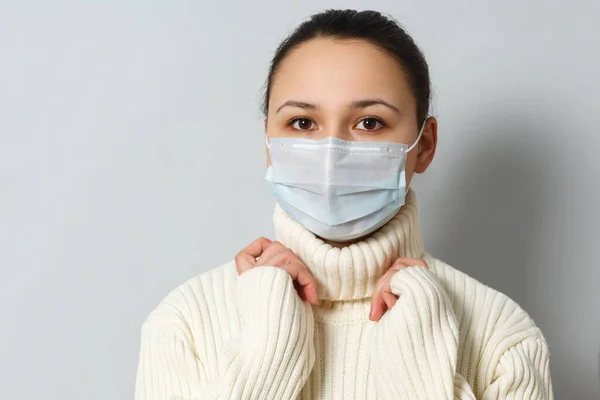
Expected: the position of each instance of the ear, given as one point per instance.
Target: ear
(427, 145)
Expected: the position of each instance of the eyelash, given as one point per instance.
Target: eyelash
(291, 121)
(383, 124)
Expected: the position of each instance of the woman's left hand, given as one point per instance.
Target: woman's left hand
(383, 299)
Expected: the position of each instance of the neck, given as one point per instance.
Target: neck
(345, 271)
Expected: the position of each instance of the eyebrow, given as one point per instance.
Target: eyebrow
(373, 102)
(299, 104)
(355, 104)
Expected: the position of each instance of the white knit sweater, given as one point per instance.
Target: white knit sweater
(224, 336)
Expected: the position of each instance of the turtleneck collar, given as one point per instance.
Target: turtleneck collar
(351, 272)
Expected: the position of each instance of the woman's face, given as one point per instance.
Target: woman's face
(350, 90)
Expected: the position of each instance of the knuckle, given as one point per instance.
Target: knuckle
(289, 253)
(285, 257)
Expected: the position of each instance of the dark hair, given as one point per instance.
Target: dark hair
(372, 26)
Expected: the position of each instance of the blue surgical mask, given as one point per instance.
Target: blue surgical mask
(337, 189)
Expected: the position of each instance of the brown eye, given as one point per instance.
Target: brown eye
(302, 124)
(369, 124)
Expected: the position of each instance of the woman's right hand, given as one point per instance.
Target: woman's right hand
(263, 252)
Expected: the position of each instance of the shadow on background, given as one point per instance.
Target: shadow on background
(495, 202)
(495, 208)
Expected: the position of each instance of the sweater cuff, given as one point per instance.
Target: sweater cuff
(415, 343)
(414, 279)
(274, 354)
(267, 298)
(425, 304)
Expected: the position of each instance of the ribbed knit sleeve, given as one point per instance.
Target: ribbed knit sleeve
(523, 372)
(415, 348)
(270, 359)
(415, 343)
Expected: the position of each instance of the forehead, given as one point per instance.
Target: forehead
(333, 71)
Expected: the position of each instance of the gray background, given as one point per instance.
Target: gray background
(131, 159)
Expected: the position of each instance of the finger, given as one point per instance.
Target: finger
(244, 262)
(300, 291)
(272, 250)
(304, 280)
(256, 248)
(410, 262)
(285, 256)
(308, 293)
(385, 279)
(246, 259)
(381, 300)
(285, 259)
(389, 299)
(398, 265)
(378, 308)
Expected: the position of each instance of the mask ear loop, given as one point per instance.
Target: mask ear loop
(418, 137)
(267, 142)
(413, 146)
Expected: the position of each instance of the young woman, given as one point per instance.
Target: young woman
(346, 304)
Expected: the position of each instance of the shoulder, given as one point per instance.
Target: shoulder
(199, 304)
(483, 313)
